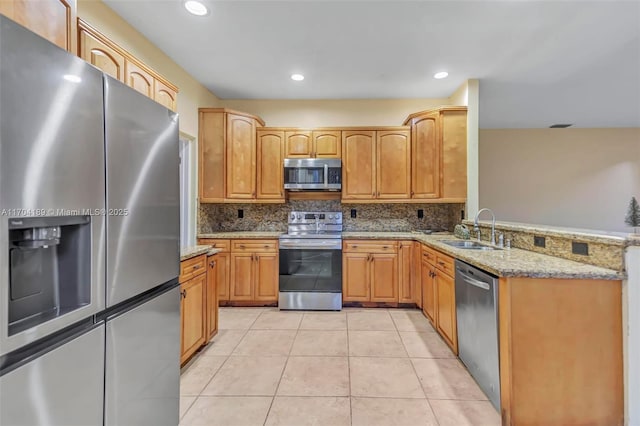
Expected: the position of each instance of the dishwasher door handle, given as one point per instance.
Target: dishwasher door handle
(474, 282)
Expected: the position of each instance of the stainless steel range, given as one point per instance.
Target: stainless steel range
(311, 262)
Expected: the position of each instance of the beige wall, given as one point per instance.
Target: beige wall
(334, 112)
(581, 178)
(192, 94)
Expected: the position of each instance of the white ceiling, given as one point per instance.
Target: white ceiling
(538, 62)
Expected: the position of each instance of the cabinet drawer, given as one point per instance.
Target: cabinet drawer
(224, 245)
(429, 255)
(445, 264)
(370, 246)
(193, 267)
(254, 246)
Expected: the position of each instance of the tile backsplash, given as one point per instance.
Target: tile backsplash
(370, 217)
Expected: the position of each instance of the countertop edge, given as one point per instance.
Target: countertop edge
(190, 252)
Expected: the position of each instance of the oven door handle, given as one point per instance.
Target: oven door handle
(297, 246)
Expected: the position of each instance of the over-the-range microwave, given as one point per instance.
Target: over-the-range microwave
(320, 174)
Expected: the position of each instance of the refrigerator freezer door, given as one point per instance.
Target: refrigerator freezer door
(143, 195)
(64, 387)
(143, 364)
(51, 156)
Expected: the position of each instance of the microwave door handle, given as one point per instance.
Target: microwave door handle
(326, 175)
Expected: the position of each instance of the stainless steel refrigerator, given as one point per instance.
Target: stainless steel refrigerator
(89, 234)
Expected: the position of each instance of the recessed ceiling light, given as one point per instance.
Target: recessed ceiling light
(72, 78)
(441, 74)
(195, 7)
(297, 77)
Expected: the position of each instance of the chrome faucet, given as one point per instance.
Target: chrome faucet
(493, 225)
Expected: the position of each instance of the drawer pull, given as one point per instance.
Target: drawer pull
(385, 247)
(441, 263)
(242, 246)
(197, 267)
(266, 246)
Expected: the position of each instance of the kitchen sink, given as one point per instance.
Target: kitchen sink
(468, 245)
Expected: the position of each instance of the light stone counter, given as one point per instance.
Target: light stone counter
(242, 234)
(504, 263)
(193, 251)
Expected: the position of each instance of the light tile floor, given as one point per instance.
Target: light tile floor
(369, 367)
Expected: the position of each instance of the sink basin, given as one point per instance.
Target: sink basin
(468, 245)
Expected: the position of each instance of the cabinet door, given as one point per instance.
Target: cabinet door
(355, 273)
(100, 55)
(211, 158)
(138, 79)
(212, 296)
(454, 154)
(299, 144)
(428, 291)
(425, 157)
(416, 273)
(241, 157)
(384, 277)
(222, 271)
(270, 180)
(266, 277)
(165, 95)
(393, 159)
(405, 288)
(242, 271)
(446, 309)
(193, 314)
(54, 20)
(327, 144)
(358, 165)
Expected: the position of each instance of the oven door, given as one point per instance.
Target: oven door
(310, 277)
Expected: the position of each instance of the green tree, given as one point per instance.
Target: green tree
(633, 214)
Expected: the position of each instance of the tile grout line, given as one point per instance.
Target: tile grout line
(346, 318)
(284, 368)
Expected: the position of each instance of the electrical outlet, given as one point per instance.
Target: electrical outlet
(420, 213)
(539, 241)
(580, 248)
(461, 214)
(353, 213)
(240, 213)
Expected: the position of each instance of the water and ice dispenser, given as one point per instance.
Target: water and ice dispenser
(49, 269)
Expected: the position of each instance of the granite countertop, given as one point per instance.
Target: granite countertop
(193, 251)
(242, 234)
(504, 263)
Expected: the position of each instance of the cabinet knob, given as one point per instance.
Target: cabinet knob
(183, 294)
(412, 193)
(212, 263)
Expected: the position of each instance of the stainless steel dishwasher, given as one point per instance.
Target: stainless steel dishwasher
(477, 315)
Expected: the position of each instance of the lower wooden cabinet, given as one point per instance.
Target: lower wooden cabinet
(198, 303)
(439, 295)
(370, 271)
(416, 272)
(193, 312)
(254, 271)
(406, 291)
(212, 296)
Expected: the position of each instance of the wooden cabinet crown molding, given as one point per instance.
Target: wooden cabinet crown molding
(95, 33)
(234, 112)
(410, 117)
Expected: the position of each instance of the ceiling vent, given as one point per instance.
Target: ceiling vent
(560, 126)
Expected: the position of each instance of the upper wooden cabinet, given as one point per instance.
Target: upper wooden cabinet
(139, 79)
(97, 49)
(358, 164)
(299, 144)
(229, 157)
(241, 157)
(327, 143)
(101, 55)
(375, 164)
(270, 152)
(313, 144)
(439, 153)
(54, 20)
(425, 157)
(393, 159)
